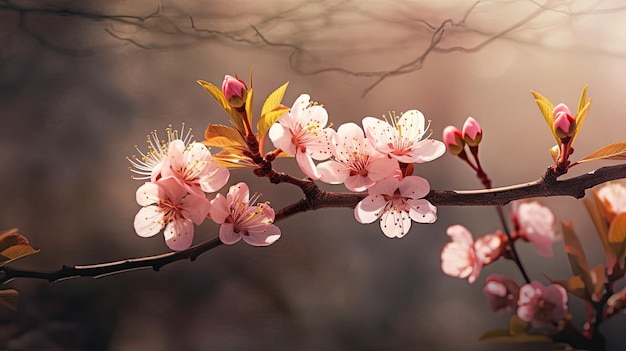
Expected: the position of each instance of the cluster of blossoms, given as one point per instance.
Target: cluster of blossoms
(179, 173)
(377, 158)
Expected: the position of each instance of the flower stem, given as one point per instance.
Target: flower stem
(511, 244)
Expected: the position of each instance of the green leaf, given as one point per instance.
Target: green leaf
(583, 98)
(249, 105)
(10, 298)
(517, 333)
(546, 107)
(615, 151)
(218, 95)
(222, 136)
(617, 235)
(14, 246)
(272, 110)
(580, 119)
(274, 99)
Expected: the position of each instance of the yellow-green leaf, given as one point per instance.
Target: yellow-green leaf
(555, 151)
(615, 151)
(10, 298)
(269, 118)
(617, 235)
(583, 98)
(14, 246)
(274, 99)
(218, 95)
(546, 107)
(580, 119)
(249, 106)
(574, 250)
(222, 136)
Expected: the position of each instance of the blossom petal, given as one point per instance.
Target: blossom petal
(148, 194)
(369, 209)
(306, 165)
(179, 234)
(281, 137)
(195, 207)
(395, 224)
(422, 211)
(228, 235)
(412, 124)
(215, 180)
(262, 235)
(358, 183)
(386, 186)
(148, 221)
(428, 150)
(381, 167)
(414, 187)
(332, 172)
(219, 209)
(174, 190)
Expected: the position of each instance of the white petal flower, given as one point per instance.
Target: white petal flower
(301, 132)
(397, 202)
(401, 137)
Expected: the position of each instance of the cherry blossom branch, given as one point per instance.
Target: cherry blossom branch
(316, 198)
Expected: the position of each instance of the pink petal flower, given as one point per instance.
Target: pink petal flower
(458, 258)
(396, 202)
(241, 218)
(194, 167)
(489, 247)
(355, 162)
(536, 224)
(401, 137)
(168, 205)
(302, 133)
(540, 305)
(501, 292)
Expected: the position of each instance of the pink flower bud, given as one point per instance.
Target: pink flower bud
(235, 91)
(472, 133)
(564, 123)
(453, 138)
(501, 292)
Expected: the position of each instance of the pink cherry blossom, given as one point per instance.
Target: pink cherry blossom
(241, 218)
(168, 205)
(458, 258)
(149, 164)
(401, 137)
(540, 305)
(535, 223)
(615, 195)
(464, 257)
(397, 202)
(194, 167)
(301, 132)
(472, 133)
(356, 163)
(501, 292)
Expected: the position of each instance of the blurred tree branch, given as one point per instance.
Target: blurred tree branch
(317, 198)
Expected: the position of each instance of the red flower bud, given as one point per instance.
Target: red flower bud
(235, 91)
(472, 133)
(453, 139)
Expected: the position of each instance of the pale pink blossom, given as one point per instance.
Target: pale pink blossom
(301, 132)
(355, 162)
(615, 195)
(540, 304)
(241, 218)
(472, 132)
(464, 257)
(148, 164)
(401, 137)
(458, 258)
(501, 292)
(167, 204)
(564, 124)
(397, 202)
(194, 168)
(453, 138)
(535, 223)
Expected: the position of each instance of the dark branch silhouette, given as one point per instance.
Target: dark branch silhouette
(317, 199)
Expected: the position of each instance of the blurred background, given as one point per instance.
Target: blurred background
(82, 82)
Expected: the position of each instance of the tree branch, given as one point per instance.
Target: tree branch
(317, 198)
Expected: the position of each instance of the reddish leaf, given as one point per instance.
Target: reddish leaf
(574, 285)
(14, 246)
(10, 298)
(574, 250)
(617, 235)
(615, 151)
